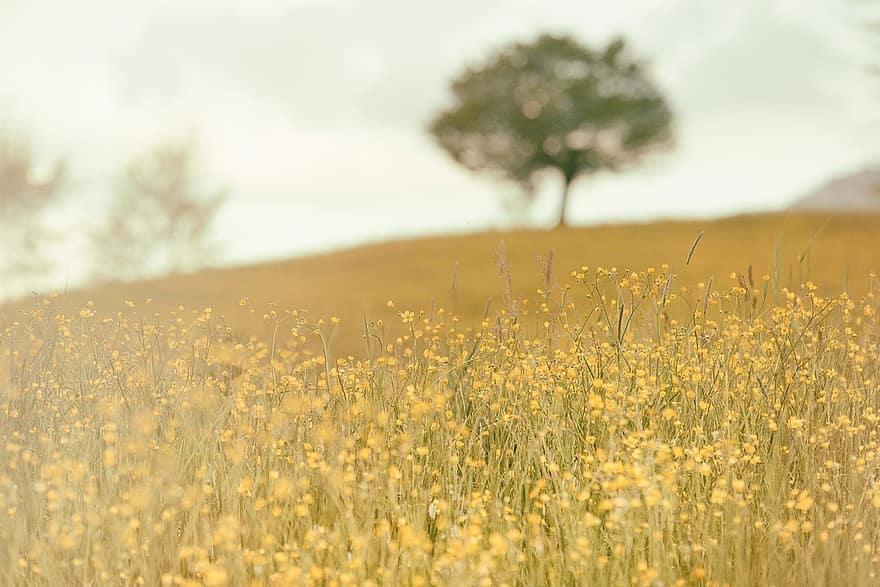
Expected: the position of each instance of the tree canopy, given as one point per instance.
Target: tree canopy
(554, 104)
(161, 217)
(28, 187)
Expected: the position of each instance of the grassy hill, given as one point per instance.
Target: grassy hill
(461, 273)
(576, 443)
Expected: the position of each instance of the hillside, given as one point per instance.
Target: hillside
(591, 446)
(857, 192)
(460, 273)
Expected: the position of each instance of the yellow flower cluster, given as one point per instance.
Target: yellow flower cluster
(618, 431)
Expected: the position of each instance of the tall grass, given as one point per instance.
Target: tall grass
(619, 430)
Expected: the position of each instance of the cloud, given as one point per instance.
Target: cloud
(381, 63)
(751, 55)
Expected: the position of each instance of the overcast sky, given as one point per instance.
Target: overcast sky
(313, 111)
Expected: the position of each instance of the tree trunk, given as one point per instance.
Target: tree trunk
(565, 189)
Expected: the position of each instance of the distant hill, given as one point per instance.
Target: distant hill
(857, 192)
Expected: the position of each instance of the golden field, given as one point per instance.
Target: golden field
(615, 417)
(461, 274)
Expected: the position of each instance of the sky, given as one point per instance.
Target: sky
(313, 112)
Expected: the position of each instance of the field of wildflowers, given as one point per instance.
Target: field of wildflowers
(625, 429)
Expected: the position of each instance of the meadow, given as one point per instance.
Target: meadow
(461, 272)
(710, 419)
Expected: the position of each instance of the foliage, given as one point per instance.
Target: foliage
(554, 104)
(27, 188)
(160, 219)
(583, 437)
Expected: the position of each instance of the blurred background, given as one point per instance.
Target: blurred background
(301, 126)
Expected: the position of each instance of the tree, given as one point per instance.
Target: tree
(554, 104)
(160, 219)
(27, 188)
